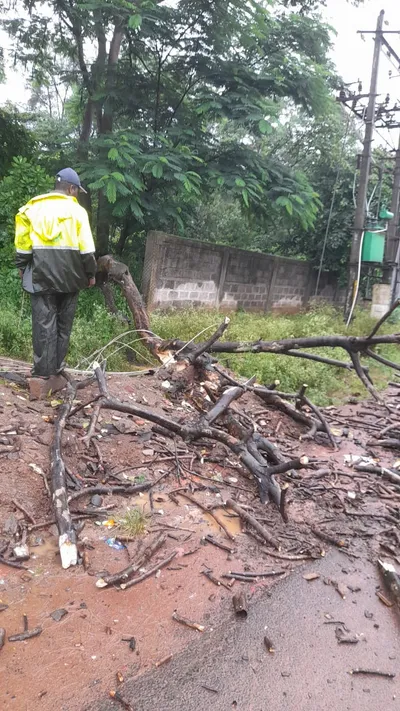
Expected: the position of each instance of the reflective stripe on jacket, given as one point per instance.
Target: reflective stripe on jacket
(54, 244)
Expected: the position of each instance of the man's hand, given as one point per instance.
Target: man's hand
(21, 273)
(92, 282)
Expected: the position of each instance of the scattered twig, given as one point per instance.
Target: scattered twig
(149, 573)
(213, 579)
(253, 576)
(142, 558)
(12, 563)
(288, 556)
(24, 511)
(263, 532)
(204, 347)
(373, 672)
(340, 543)
(114, 694)
(128, 489)
(26, 635)
(212, 540)
(163, 661)
(384, 599)
(188, 623)
(209, 512)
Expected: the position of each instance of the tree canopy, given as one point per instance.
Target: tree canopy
(170, 109)
(177, 100)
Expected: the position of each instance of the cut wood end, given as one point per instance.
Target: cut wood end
(68, 552)
(100, 583)
(304, 460)
(387, 566)
(166, 357)
(227, 320)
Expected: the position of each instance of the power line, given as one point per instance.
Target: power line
(334, 191)
(391, 145)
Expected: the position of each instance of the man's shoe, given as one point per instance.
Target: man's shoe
(40, 388)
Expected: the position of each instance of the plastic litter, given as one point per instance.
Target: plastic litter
(115, 543)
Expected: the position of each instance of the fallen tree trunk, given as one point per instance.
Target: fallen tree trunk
(200, 429)
(118, 272)
(67, 536)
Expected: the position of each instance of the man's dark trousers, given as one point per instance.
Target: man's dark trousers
(52, 319)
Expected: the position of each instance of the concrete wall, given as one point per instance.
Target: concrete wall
(179, 272)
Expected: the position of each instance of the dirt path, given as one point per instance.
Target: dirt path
(75, 661)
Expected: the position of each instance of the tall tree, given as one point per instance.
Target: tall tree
(179, 100)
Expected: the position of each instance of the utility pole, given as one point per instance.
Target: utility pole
(392, 238)
(360, 214)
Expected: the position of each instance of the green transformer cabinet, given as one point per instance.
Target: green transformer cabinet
(373, 247)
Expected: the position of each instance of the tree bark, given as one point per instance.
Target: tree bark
(67, 537)
(119, 273)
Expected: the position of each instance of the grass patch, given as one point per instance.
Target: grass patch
(327, 385)
(94, 328)
(134, 523)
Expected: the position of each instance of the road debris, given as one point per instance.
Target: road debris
(58, 615)
(373, 672)
(188, 623)
(346, 637)
(25, 635)
(392, 580)
(269, 646)
(240, 605)
(116, 696)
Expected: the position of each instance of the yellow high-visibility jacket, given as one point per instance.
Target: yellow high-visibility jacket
(54, 244)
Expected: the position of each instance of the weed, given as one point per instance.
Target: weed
(134, 523)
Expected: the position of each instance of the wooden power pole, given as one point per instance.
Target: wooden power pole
(361, 205)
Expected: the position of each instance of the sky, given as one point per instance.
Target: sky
(351, 54)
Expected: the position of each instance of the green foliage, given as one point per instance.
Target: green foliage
(24, 180)
(15, 139)
(189, 102)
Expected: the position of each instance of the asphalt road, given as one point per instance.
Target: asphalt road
(229, 667)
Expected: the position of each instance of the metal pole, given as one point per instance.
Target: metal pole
(360, 213)
(392, 239)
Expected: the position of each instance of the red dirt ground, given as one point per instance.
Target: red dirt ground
(75, 661)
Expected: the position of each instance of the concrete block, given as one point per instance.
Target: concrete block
(381, 295)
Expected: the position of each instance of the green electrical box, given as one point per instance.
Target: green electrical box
(373, 246)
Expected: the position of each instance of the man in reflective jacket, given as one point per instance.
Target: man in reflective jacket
(55, 258)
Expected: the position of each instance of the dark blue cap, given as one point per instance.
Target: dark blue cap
(69, 175)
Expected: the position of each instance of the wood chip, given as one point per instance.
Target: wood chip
(384, 599)
(311, 576)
